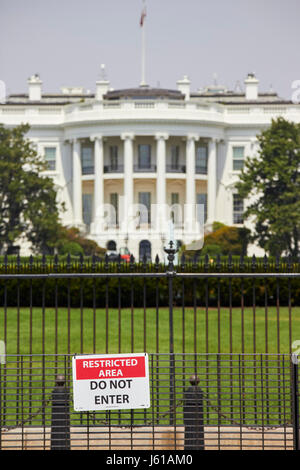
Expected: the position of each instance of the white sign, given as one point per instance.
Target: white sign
(110, 382)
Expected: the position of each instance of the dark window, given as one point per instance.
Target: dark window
(50, 157)
(174, 157)
(145, 213)
(113, 151)
(201, 159)
(144, 155)
(202, 203)
(145, 250)
(114, 201)
(87, 208)
(238, 209)
(238, 158)
(87, 160)
(111, 245)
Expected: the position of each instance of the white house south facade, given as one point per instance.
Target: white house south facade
(113, 152)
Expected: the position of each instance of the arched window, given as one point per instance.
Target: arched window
(145, 250)
(111, 245)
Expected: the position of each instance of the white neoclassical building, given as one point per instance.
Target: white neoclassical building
(114, 150)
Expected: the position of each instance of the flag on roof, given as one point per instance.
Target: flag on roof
(143, 16)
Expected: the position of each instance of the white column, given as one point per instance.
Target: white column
(77, 185)
(212, 181)
(190, 170)
(128, 176)
(98, 215)
(161, 178)
(190, 198)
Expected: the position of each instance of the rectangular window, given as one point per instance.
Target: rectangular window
(145, 212)
(87, 208)
(144, 155)
(87, 160)
(174, 198)
(238, 209)
(175, 202)
(202, 207)
(113, 155)
(201, 159)
(114, 201)
(50, 157)
(238, 158)
(174, 157)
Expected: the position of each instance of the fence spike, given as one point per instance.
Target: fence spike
(253, 262)
(230, 261)
(265, 262)
(183, 261)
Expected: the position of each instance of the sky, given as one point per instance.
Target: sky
(66, 41)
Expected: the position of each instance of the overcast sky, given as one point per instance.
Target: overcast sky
(66, 41)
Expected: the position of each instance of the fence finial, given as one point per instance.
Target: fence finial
(171, 252)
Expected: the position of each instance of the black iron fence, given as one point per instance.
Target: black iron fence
(51, 306)
(218, 401)
(220, 335)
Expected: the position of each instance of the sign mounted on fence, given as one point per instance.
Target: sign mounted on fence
(110, 382)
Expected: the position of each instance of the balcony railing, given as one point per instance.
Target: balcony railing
(88, 170)
(142, 169)
(201, 170)
(113, 169)
(175, 168)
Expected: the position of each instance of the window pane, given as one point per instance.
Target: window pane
(145, 213)
(201, 159)
(174, 156)
(202, 202)
(144, 156)
(238, 209)
(114, 201)
(174, 198)
(238, 158)
(87, 160)
(87, 207)
(114, 157)
(50, 157)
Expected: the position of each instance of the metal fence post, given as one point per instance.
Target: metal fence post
(295, 401)
(193, 416)
(60, 417)
(171, 273)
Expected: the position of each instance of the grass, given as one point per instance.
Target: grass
(268, 392)
(200, 331)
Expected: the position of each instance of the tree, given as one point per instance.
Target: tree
(70, 240)
(27, 199)
(271, 183)
(226, 240)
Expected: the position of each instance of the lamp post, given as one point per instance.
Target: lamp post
(171, 251)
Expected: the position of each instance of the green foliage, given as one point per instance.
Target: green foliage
(223, 240)
(72, 248)
(230, 240)
(71, 238)
(211, 250)
(27, 200)
(271, 181)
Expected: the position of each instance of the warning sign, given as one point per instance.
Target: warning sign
(108, 382)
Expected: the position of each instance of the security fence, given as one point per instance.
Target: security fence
(218, 401)
(220, 335)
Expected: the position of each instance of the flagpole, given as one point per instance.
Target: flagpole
(143, 81)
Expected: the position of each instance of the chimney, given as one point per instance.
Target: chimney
(251, 84)
(102, 85)
(184, 86)
(35, 88)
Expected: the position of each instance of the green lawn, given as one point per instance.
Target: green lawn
(113, 330)
(264, 388)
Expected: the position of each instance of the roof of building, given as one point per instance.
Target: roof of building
(144, 93)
